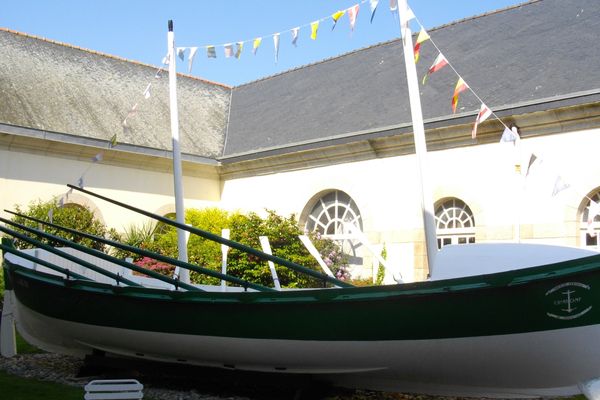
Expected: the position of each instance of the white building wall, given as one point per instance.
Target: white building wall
(26, 177)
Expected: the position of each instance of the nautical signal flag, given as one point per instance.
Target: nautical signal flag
(373, 5)
(461, 86)
(484, 113)
(352, 14)
(423, 36)
(439, 63)
(336, 16)
(256, 45)
(295, 36)
(314, 28)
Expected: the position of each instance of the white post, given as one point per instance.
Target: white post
(184, 274)
(315, 253)
(419, 136)
(224, 250)
(266, 247)
(8, 343)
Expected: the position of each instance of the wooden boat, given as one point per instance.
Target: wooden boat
(522, 331)
(494, 320)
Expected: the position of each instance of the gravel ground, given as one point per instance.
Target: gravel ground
(64, 369)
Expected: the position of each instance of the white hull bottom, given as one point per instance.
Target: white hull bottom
(549, 363)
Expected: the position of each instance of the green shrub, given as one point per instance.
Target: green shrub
(72, 216)
(246, 229)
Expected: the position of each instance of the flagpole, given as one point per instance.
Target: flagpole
(184, 274)
(419, 136)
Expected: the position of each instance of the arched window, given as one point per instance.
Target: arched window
(454, 223)
(590, 227)
(334, 215)
(161, 227)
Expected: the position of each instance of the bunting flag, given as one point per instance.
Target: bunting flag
(532, 160)
(352, 14)
(593, 211)
(130, 114)
(295, 32)
(461, 86)
(211, 52)
(423, 36)
(484, 113)
(113, 141)
(181, 53)
(158, 73)
(439, 63)
(373, 4)
(98, 157)
(238, 49)
(314, 27)
(147, 91)
(510, 135)
(559, 185)
(193, 51)
(335, 17)
(256, 45)
(276, 46)
(228, 49)
(394, 6)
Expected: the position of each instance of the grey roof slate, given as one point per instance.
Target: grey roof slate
(53, 87)
(527, 54)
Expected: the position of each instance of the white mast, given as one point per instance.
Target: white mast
(184, 274)
(419, 135)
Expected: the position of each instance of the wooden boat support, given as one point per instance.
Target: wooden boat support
(216, 238)
(115, 260)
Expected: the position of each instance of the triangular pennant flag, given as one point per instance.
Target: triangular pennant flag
(484, 113)
(80, 182)
(335, 17)
(238, 49)
(510, 135)
(181, 52)
(461, 86)
(276, 46)
(131, 113)
(406, 17)
(256, 45)
(352, 14)
(228, 48)
(559, 185)
(98, 157)
(532, 159)
(439, 63)
(158, 73)
(373, 4)
(423, 36)
(314, 28)
(193, 51)
(165, 59)
(211, 52)
(147, 91)
(295, 32)
(113, 141)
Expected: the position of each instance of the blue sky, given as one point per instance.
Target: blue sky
(137, 29)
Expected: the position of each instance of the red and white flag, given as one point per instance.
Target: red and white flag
(484, 113)
(461, 86)
(439, 63)
(352, 14)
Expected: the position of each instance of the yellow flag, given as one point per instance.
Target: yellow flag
(314, 27)
(337, 16)
(257, 42)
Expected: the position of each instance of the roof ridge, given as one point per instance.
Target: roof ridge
(328, 59)
(114, 57)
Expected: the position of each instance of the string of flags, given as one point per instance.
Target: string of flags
(228, 48)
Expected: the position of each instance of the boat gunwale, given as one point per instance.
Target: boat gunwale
(424, 288)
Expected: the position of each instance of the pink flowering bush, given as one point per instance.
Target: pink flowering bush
(156, 266)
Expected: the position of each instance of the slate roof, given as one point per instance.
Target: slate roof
(57, 88)
(519, 58)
